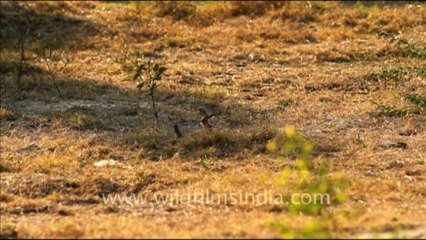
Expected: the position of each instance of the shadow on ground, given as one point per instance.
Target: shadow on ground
(46, 23)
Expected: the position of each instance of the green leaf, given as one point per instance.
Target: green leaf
(139, 71)
(161, 70)
(140, 85)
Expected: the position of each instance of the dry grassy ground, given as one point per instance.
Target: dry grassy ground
(350, 77)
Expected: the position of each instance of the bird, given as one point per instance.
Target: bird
(360, 139)
(205, 121)
(206, 116)
(177, 131)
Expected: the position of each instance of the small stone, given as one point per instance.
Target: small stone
(104, 163)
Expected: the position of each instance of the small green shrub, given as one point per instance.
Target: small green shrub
(395, 75)
(391, 111)
(149, 74)
(415, 51)
(402, 47)
(416, 99)
(129, 61)
(308, 179)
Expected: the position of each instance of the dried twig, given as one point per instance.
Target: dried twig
(48, 58)
(22, 60)
(177, 131)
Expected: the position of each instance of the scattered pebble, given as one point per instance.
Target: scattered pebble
(105, 163)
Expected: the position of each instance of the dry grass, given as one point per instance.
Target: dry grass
(349, 77)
